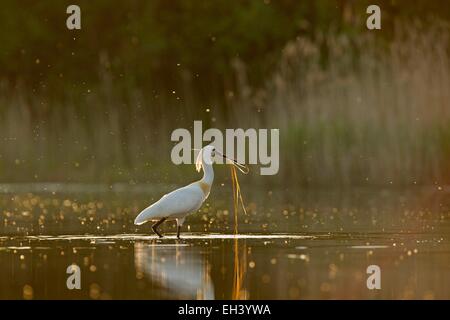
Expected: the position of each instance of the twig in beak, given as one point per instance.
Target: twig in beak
(241, 167)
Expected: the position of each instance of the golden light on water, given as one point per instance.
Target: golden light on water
(94, 291)
(220, 263)
(27, 292)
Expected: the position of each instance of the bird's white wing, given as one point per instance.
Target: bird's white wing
(176, 203)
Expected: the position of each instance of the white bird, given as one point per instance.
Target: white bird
(177, 204)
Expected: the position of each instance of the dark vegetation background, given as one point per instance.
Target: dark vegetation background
(354, 106)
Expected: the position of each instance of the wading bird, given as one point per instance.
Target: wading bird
(177, 204)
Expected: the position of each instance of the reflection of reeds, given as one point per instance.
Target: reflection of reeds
(238, 291)
(358, 112)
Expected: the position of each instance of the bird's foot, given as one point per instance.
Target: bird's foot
(158, 234)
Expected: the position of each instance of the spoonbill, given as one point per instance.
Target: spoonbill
(177, 204)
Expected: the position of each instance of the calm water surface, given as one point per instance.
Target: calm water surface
(292, 244)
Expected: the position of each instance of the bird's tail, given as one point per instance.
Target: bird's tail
(148, 214)
(139, 220)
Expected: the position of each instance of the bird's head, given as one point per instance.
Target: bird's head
(205, 156)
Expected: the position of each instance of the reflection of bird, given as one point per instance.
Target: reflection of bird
(179, 203)
(181, 270)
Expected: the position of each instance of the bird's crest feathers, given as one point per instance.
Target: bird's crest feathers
(199, 161)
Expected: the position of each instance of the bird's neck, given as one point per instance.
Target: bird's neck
(208, 174)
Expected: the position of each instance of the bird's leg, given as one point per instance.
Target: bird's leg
(178, 231)
(180, 222)
(155, 226)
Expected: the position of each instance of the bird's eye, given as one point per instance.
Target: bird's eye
(213, 153)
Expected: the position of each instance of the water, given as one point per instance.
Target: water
(293, 244)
